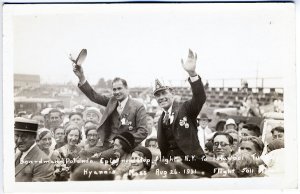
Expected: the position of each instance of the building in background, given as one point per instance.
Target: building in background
(26, 80)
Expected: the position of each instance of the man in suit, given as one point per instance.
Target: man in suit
(122, 113)
(177, 126)
(31, 164)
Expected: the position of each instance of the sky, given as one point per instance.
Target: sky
(143, 42)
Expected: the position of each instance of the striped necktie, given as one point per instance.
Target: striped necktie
(166, 119)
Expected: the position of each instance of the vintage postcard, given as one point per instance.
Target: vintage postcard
(149, 96)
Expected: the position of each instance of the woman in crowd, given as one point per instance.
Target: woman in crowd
(59, 136)
(141, 161)
(91, 148)
(44, 141)
(69, 153)
(123, 145)
(72, 138)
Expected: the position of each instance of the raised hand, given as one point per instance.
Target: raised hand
(77, 69)
(190, 64)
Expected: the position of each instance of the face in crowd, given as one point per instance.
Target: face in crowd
(59, 135)
(46, 141)
(247, 147)
(137, 161)
(73, 137)
(203, 123)
(221, 146)
(150, 123)
(92, 137)
(77, 119)
(40, 119)
(92, 116)
(24, 140)
(55, 119)
(152, 144)
(164, 98)
(120, 91)
(278, 135)
(251, 145)
(230, 126)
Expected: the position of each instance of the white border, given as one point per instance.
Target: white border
(10, 186)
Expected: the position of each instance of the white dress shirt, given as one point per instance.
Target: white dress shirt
(204, 135)
(121, 105)
(25, 153)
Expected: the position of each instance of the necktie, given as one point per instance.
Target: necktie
(18, 159)
(119, 109)
(166, 118)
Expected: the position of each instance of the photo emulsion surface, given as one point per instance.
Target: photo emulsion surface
(119, 94)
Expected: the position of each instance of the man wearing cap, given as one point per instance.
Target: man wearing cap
(31, 164)
(122, 113)
(177, 126)
(204, 133)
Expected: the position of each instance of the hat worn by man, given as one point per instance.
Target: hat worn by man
(159, 87)
(203, 116)
(127, 137)
(26, 125)
(94, 110)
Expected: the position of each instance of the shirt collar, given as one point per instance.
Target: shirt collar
(25, 153)
(123, 102)
(169, 110)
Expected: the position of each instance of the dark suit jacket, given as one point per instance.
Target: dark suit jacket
(31, 170)
(134, 111)
(185, 135)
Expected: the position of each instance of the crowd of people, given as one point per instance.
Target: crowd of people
(123, 142)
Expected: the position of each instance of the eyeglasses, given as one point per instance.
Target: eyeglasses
(92, 135)
(222, 144)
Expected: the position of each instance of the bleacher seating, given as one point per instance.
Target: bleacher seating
(216, 97)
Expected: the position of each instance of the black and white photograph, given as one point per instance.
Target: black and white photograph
(102, 97)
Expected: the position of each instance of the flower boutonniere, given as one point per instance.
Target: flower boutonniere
(183, 122)
(130, 126)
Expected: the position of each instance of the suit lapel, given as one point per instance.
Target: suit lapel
(175, 109)
(159, 130)
(28, 158)
(126, 109)
(112, 104)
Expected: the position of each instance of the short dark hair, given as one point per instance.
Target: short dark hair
(220, 125)
(148, 141)
(279, 129)
(254, 128)
(229, 137)
(55, 110)
(124, 82)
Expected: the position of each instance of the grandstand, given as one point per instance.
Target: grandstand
(217, 97)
